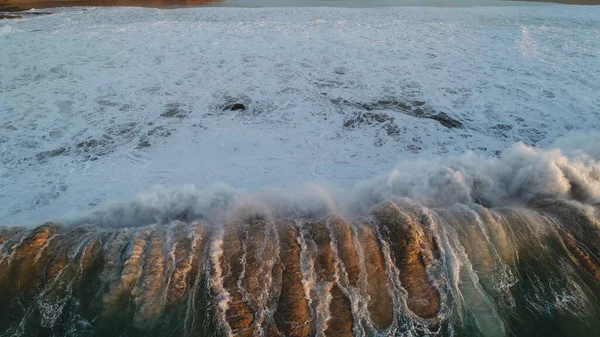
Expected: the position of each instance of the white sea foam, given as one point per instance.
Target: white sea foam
(521, 174)
(83, 93)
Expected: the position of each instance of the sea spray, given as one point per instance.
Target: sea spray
(459, 246)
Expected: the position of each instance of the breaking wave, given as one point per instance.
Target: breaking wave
(458, 246)
(518, 176)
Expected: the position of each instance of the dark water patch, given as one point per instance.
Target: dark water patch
(51, 153)
(151, 136)
(160, 131)
(92, 148)
(86, 145)
(372, 118)
(445, 120)
(408, 107)
(125, 129)
(174, 110)
(143, 144)
(367, 118)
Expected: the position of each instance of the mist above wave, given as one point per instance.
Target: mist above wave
(521, 174)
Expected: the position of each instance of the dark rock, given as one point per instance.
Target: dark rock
(235, 107)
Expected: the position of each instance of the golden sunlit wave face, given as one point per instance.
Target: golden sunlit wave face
(402, 268)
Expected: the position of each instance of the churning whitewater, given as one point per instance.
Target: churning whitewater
(463, 246)
(488, 227)
(100, 104)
